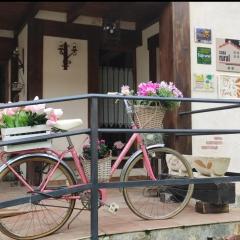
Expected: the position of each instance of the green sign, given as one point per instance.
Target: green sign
(204, 55)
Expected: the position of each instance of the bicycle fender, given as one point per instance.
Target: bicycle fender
(136, 154)
(55, 159)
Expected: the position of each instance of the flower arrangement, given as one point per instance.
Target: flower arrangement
(29, 116)
(117, 147)
(162, 89)
(103, 150)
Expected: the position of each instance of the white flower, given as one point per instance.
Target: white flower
(125, 90)
(58, 112)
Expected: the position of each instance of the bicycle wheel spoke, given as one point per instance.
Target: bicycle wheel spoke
(162, 201)
(35, 219)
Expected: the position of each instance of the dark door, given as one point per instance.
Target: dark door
(3, 83)
(116, 69)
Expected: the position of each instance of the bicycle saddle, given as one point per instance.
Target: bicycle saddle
(68, 124)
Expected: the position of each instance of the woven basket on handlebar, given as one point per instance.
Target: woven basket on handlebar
(104, 168)
(149, 116)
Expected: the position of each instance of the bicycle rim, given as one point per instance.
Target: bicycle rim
(39, 219)
(162, 201)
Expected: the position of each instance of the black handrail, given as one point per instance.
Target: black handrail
(94, 185)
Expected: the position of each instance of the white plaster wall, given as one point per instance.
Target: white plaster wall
(22, 77)
(142, 54)
(222, 18)
(58, 82)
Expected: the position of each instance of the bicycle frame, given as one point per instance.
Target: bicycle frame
(77, 160)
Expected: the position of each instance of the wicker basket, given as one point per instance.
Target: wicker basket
(149, 116)
(104, 168)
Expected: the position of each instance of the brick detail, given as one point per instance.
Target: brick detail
(218, 138)
(214, 142)
(209, 147)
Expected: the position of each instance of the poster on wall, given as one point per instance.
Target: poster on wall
(203, 82)
(228, 86)
(204, 55)
(228, 55)
(203, 35)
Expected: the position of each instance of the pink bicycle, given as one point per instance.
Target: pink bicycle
(33, 220)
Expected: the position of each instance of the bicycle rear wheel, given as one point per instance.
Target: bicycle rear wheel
(162, 201)
(37, 219)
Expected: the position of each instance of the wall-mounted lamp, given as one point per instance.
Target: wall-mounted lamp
(19, 61)
(111, 29)
(63, 50)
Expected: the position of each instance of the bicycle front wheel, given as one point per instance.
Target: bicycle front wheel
(34, 219)
(162, 201)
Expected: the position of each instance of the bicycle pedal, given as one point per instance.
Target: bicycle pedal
(113, 208)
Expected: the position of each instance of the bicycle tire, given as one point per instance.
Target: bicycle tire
(156, 202)
(34, 220)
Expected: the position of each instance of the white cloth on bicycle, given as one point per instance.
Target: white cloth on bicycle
(68, 124)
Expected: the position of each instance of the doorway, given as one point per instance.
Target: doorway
(3, 83)
(116, 68)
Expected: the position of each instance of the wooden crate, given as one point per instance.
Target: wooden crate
(25, 132)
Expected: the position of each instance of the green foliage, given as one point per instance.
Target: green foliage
(36, 119)
(22, 119)
(103, 150)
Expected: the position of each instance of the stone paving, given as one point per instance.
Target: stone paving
(126, 222)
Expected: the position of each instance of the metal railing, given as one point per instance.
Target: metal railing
(94, 130)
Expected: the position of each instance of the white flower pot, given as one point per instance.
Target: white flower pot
(211, 166)
(25, 132)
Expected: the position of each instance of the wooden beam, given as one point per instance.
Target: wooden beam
(29, 14)
(74, 11)
(35, 60)
(153, 43)
(174, 47)
(182, 68)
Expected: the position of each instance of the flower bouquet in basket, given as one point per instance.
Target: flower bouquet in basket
(28, 121)
(104, 160)
(150, 114)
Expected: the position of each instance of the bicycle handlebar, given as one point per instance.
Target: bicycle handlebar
(128, 107)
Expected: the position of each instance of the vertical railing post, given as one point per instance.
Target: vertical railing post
(94, 168)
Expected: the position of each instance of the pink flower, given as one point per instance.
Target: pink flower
(147, 89)
(38, 108)
(52, 115)
(118, 145)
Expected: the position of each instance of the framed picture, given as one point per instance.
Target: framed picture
(203, 82)
(228, 86)
(203, 35)
(228, 55)
(204, 55)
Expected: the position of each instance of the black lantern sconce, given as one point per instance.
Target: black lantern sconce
(111, 29)
(63, 50)
(19, 61)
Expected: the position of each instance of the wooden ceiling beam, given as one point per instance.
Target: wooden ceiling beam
(29, 14)
(75, 11)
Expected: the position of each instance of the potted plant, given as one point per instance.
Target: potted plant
(104, 160)
(28, 121)
(150, 114)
